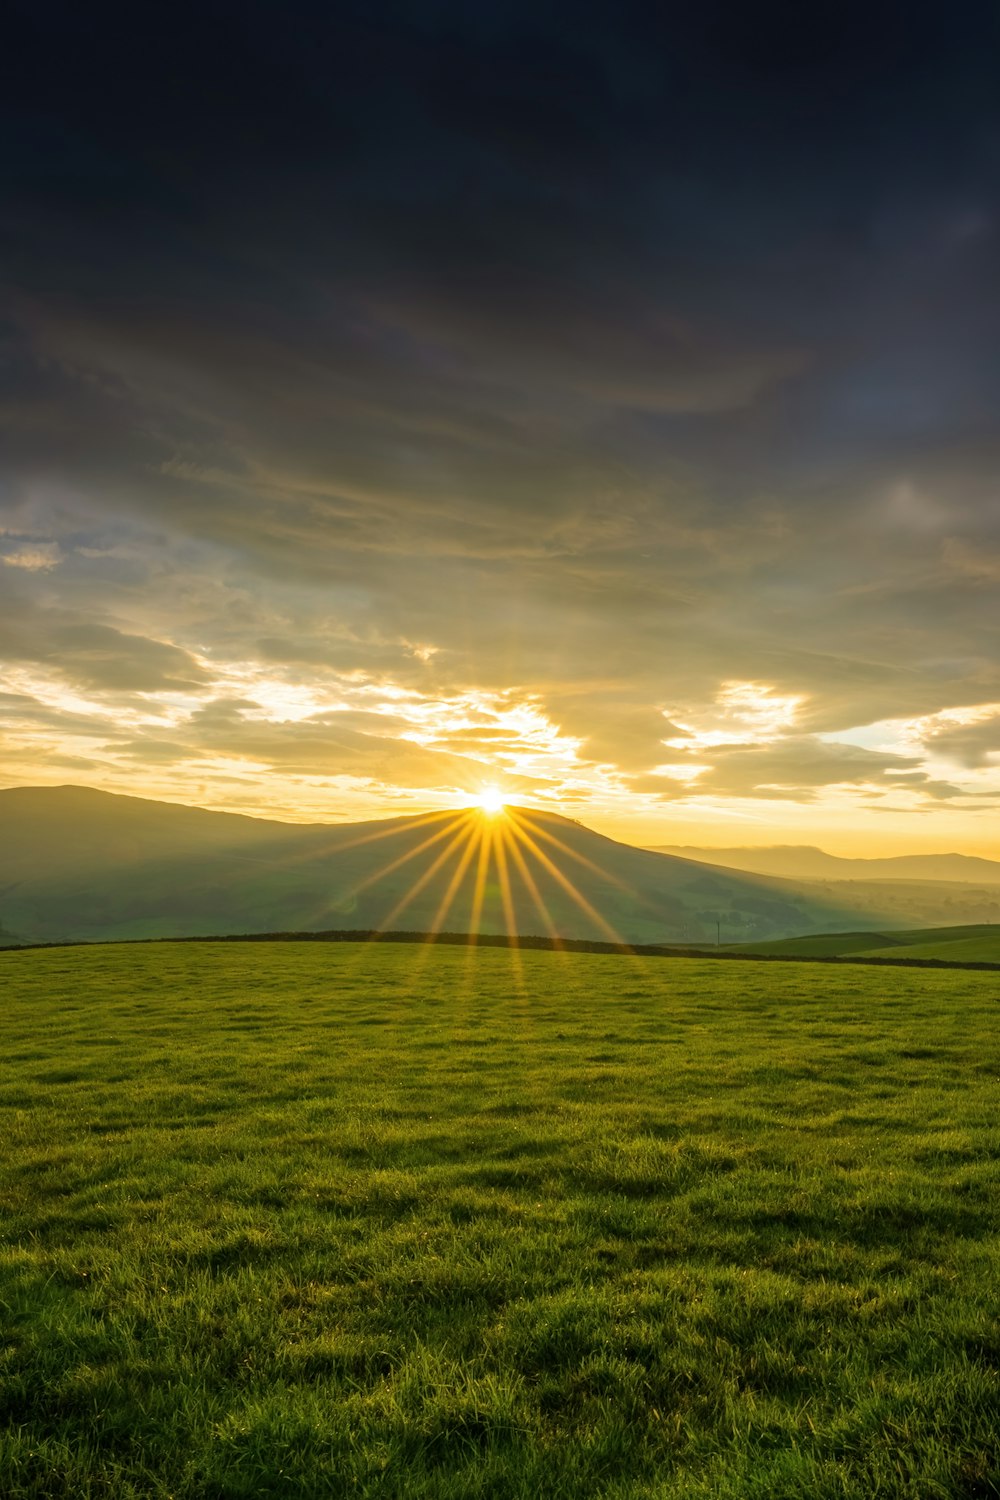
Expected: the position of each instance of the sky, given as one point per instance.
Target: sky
(399, 399)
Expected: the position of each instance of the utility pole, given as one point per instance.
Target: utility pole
(718, 933)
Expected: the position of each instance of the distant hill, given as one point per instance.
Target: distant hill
(83, 864)
(802, 862)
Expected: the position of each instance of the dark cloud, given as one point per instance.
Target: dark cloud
(605, 358)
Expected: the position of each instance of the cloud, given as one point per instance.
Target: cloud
(37, 557)
(505, 351)
(971, 745)
(323, 745)
(793, 767)
(93, 655)
(26, 712)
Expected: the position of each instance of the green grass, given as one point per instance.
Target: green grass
(961, 950)
(284, 1220)
(815, 945)
(979, 943)
(972, 951)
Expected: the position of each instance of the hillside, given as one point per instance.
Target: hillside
(802, 862)
(979, 943)
(82, 864)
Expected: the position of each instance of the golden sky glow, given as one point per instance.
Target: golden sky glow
(491, 800)
(506, 438)
(731, 770)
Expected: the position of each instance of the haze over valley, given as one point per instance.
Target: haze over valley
(800, 862)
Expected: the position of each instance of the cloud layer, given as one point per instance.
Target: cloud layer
(391, 402)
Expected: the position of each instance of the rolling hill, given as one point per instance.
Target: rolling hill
(803, 862)
(978, 943)
(84, 864)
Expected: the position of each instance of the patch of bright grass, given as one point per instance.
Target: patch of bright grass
(984, 949)
(976, 944)
(285, 1220)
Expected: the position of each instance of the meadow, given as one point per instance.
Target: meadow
(978, 943)
(370, 1220)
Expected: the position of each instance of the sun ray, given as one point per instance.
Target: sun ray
(482, 870)
(335, 847)
(569, 887)
(500, 836)
(641, 897)
(457, 876)
(462, 864)
(438, 921)
(403, 859)
(410, 896)
(506, 894)
(533, 891)
(519, 815)
(387, 833)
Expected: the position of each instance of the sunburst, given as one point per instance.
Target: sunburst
(491, 862)
(491, 801)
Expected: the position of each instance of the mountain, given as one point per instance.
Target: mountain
(801, 862)
(83, 864)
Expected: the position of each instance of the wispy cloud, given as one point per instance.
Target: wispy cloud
(40, 557)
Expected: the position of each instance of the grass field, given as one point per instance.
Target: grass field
(972, 951)
(284, 1220)
(979, 943)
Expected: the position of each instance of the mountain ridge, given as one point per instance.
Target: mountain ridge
(79, 863)
(808, 862)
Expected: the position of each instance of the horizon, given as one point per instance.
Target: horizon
(490, 812)
(601, 407)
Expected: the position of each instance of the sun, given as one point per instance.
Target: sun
(491, 801)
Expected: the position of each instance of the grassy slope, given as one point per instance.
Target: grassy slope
(320, 1221)
(817, 945)
(985, 949)
(967, 944)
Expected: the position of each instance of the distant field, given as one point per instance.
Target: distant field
(984, 948)
(975, 944)
(337, 1220)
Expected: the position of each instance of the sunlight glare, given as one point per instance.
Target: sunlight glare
(491, 801)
